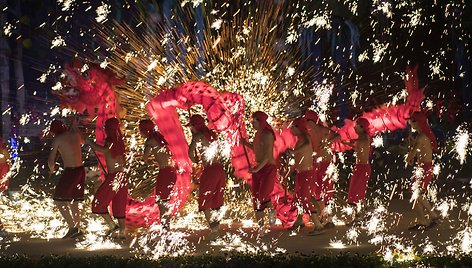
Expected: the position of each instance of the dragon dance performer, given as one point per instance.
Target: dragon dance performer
(4, 173)
(321, 138)
(70, 189)
(115, 186)
(361, 172)
(4, 166)
(264, 174)
(421, 148)
(155, 145)
(213, 177)
(303, 154)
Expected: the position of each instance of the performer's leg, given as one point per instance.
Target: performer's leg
(267, 186)
(74, 209)
(319, 206)
(315, 217)
(327, 195)
(428, 209)
(121, 224)
(2, 229)
(327, 215)
(119, 208)
(63, 207)
(163, 210)
(419, 210)
(110, 222)
(258, 207)
(427, 178)
(318, 226)
(299, 200)
(164, 185)
(212, 222)
(100, 203)
(260, 218)
(260, 213)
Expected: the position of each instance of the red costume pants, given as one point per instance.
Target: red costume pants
(113, 189)
(262, 185)
(165, 182)
(4, 179)
(212, 187)
(427, 177)
(303, 179)
(71, 185)
(358, 183)
(323, 187)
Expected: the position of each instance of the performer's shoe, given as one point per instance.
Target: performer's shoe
(77, 233)
(433, 223)
(329, 225)
(272, 217)
(261, 232)
(119, 237)
(214, 226)
(435, 220)
(316, 231)
(214, 235)
(165, 225)
(297, 225)
(70, 233)
(3, 233)
(355, 218)
(112, 230)
(418, 227)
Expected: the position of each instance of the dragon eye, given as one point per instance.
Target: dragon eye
(85, 74)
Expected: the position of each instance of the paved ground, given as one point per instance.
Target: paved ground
(378, 232)
(277, 240)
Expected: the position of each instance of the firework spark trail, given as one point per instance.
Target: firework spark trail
(249, 71)
(462, 141)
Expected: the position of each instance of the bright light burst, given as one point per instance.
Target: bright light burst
(462, 141)
(156, 243)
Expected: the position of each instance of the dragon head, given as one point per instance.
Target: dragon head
(85, 86)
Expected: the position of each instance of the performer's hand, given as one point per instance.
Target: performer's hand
(87, 140)
(253, 170)
(74, 121)
(51, 171)
(87, 130)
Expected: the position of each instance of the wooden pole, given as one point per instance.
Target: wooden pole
(244, 148)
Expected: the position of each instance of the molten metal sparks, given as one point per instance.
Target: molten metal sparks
(156, 243)
(337, 244)
(462, 141)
